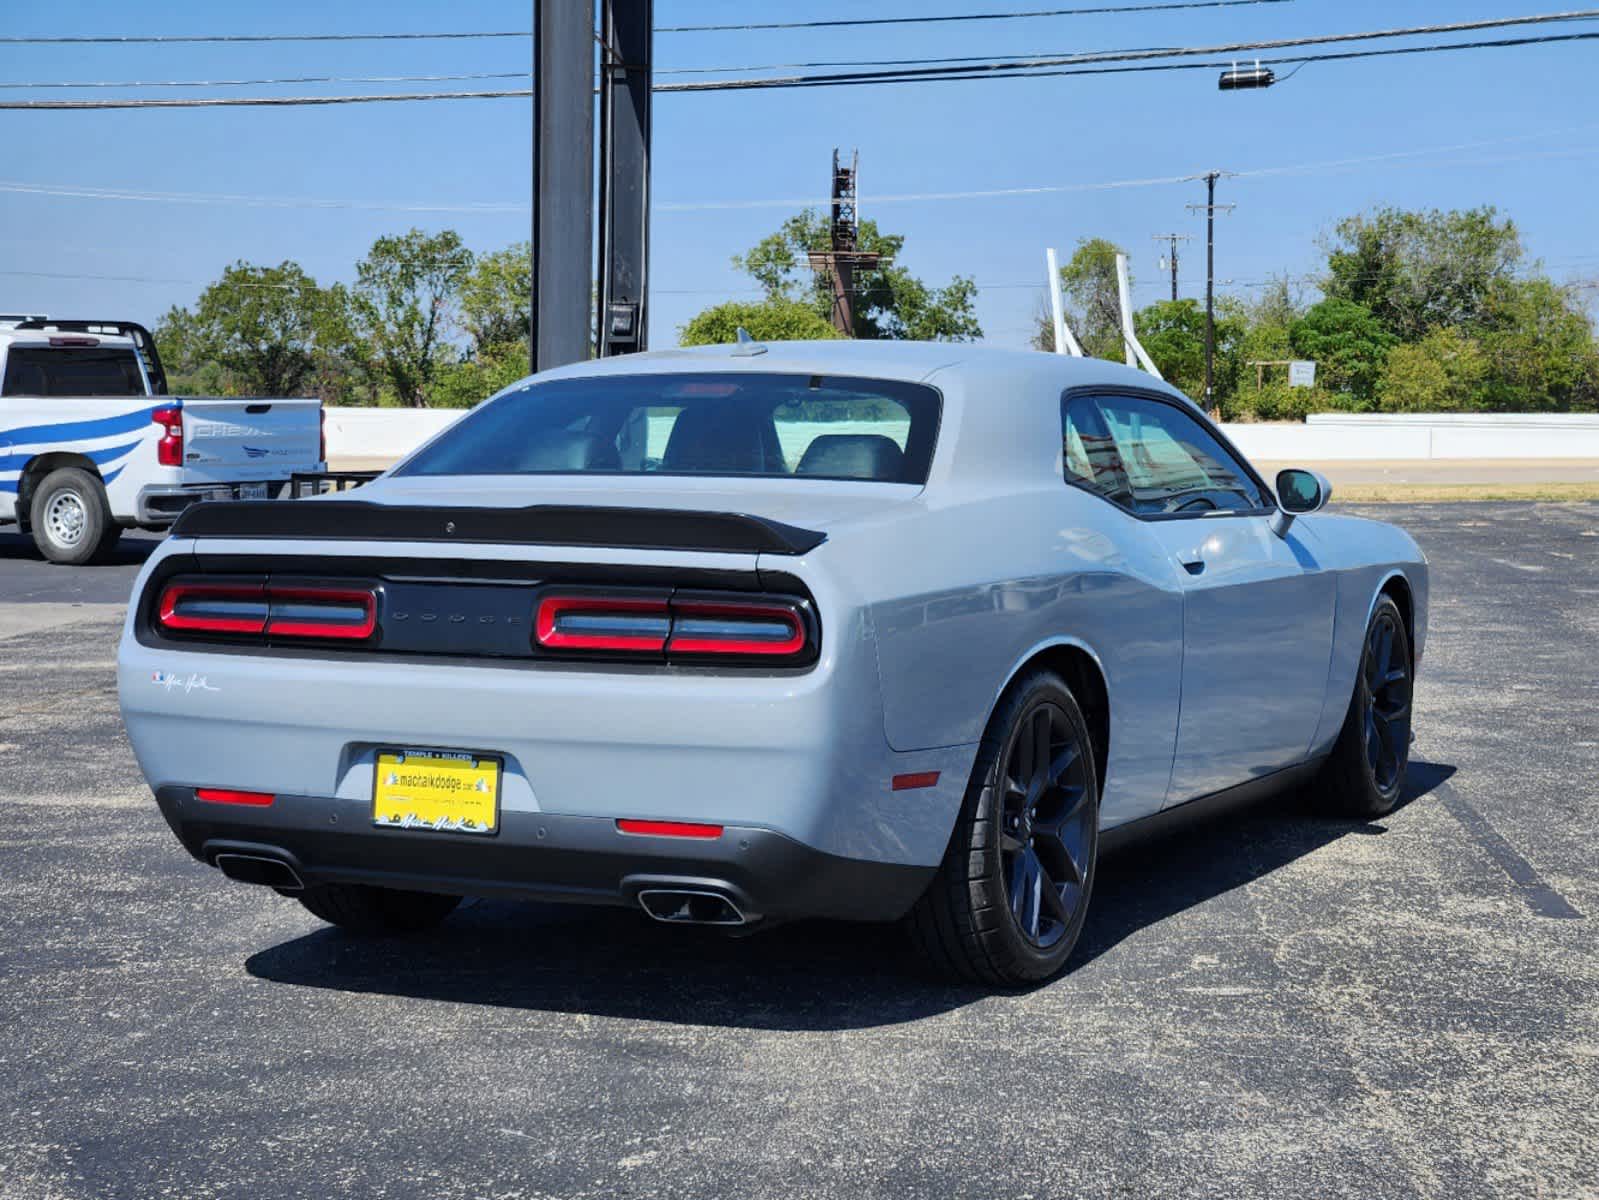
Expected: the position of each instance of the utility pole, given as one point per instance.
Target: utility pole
(1210, 208)
(843, 257)
(1171, 260)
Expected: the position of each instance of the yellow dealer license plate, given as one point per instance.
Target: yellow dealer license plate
(440, 790)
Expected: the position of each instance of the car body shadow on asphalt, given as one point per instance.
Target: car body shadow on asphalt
(808, 976)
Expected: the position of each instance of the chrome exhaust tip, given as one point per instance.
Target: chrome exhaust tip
(259, 869)
(690, 906)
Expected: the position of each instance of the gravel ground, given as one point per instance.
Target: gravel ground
(1277, 1005)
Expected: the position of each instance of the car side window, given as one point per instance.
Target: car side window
(1171, 463)
(1090, 454)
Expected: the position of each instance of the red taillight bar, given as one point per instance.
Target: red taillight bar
(307, 625)
(266, 609)
(679, 829)
(690, 626)
(240, 594)
(230, 796)
(728, 639)
(640, 622)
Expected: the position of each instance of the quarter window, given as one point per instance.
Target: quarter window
(1152, 458)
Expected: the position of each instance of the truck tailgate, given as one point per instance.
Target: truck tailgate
(232, 439)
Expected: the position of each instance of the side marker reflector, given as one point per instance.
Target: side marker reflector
(682, 829)
(921, 779)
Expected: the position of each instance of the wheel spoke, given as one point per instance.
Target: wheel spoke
(1009, 843)
(1054, 902)
(1041, 731)
(1062, 762)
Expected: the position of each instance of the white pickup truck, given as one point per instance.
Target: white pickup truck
(91, 444)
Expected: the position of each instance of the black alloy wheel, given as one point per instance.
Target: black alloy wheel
(1048, 825)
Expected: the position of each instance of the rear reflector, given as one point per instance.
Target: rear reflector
(229, 796)
(257, 608)
(920, 779)
(678, 829)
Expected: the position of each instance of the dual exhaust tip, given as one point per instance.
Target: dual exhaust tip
(260, 869)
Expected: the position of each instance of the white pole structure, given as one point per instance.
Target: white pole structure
(1065, 343)
(1136, 354)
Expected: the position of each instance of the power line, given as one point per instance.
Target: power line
(187, 83)
(993, 70)
(963, 17)
(491, 208)
(247, 38)
(1143, 55)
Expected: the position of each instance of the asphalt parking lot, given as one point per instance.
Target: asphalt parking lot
(1278, 1005)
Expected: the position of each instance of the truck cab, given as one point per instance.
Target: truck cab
(91, 444)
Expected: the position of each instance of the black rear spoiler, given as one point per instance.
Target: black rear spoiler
(142, 342)
(540, 524)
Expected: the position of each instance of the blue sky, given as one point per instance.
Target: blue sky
(1515, 128)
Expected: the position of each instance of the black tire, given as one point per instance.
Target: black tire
(976, 920)
(71, 519)
(1365, 774)
(376, 911)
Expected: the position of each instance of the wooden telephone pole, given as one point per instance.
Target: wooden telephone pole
(1171, 258)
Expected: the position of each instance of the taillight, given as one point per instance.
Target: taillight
(213, 608)
(618, 622)
(679, 626)
(169, 450)
(770, 629)
(322, 435)
(250, 608)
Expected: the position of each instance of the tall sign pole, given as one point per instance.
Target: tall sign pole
(626, 36)
(563, 182)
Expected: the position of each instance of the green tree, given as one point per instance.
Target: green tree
(478, 376)
(497, 297)
(1092, 302)
(774, 320)
(1349, 345)
(405, 301)
(1540, 349)
(253, 332)
(1444, 372)
(889, 301)
(1173, 332)
(1419, 271)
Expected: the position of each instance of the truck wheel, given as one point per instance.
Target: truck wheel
(71, 518)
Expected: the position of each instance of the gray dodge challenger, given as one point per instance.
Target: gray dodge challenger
(737, 635)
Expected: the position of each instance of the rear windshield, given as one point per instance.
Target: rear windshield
(37, 371)
(824, 427)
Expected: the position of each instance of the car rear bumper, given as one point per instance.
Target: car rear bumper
(542, 856)
(158, 505)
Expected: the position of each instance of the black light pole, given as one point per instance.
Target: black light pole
(1210, 293)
